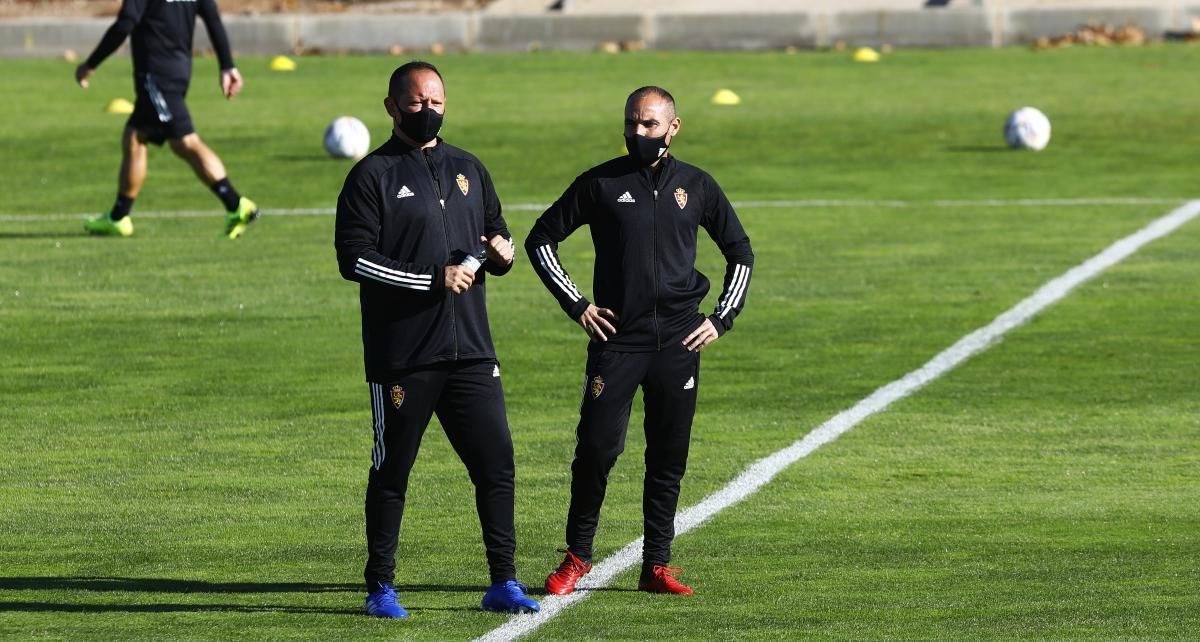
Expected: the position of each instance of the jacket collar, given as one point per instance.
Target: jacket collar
(655, 175)
(397, 147)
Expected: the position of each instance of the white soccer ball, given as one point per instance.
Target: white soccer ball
(347, 137)
(1027, 128)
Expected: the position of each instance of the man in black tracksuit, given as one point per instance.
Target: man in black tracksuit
(160, 32)
(415, 219)
(644, 211)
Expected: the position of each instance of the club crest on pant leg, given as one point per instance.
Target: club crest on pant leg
(597, 386)
(463, 183)
(680, 197)
(397, 397)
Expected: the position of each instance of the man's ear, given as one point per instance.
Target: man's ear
(390, 105)
(673, 128)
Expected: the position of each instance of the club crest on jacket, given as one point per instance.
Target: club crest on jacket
(681, 197)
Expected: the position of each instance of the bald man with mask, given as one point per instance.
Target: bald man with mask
(645, 328)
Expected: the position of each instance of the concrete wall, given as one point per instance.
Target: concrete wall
(746, 31)
(43, 37)
(519, 33)
(966, 27)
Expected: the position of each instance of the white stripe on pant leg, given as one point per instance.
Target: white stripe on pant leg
(374, 421)
(374, 427)
(378, 418)
(764, 470)
(382, 427)
(380, 424)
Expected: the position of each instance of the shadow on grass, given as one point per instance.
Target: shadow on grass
(978, 148)
(305, 157)
(162, 585)
(47, 607)
(40, 235)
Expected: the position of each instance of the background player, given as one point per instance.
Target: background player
(160, 33)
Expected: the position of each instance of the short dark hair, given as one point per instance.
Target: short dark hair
(652, 89)
(397, 84)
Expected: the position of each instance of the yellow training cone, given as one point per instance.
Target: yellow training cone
(119, 106)
(725, 97)
(866, 54)
(283, 63)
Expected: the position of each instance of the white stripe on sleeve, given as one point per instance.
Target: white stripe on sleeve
(393, 277)
(741, 292)
(546, 259)
(737, 287)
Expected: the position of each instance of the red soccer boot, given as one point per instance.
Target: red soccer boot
(662, 580)
(562, 580)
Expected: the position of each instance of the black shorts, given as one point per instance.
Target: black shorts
(159, 114)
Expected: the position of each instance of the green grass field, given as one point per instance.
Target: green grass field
(185, 431)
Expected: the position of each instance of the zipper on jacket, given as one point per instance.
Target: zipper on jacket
(437, 184)
(654, 258)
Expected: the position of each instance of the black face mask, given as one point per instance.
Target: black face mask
(645, 150)
(421, 126)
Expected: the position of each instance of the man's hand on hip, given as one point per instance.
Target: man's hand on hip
(701, 337)
(598, 322)
(458, 278)
(499, 250)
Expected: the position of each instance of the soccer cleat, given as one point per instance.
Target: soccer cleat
(237, 220)
(508, 597)
(662, 580)
(382, 603)
(104, 226)
(562, 580)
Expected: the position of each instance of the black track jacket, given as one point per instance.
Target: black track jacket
(161, 38)
(404, 214)
(644, 226)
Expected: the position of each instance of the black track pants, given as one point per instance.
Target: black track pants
(669, 379)
(469, 403)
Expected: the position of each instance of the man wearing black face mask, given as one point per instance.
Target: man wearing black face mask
(415, 221)
(644, 210)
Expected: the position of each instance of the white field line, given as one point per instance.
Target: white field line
(538, 207)
(764, 470)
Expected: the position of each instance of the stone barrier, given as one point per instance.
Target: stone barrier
(365, 33)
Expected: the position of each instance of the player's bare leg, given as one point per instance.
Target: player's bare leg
(210, 170)
(134, 161)
(131, 176)
(203, 160)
